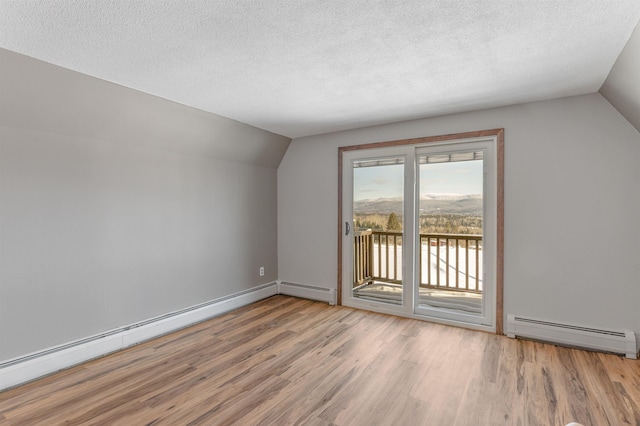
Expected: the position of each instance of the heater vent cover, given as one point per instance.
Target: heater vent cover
(605, 340)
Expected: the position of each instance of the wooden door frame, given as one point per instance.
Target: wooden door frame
(499, 135)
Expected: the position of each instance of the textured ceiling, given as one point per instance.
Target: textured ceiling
(299, 67)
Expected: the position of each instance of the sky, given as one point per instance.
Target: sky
(464, 177)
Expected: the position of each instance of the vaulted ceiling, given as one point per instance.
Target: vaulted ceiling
(298, 67)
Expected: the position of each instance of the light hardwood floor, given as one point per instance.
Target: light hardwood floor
(291, 361)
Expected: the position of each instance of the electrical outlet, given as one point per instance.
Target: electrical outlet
(262, 271)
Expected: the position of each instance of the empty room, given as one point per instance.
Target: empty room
(320, 212)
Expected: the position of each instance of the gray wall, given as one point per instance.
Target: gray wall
(571, 207)
(117, 206)
(622, 86)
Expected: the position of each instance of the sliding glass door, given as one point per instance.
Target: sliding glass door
(418, 231)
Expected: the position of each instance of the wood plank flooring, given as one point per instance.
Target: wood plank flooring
(288, 361)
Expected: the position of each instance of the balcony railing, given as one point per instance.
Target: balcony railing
(447, 261)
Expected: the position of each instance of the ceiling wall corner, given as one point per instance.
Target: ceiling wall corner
(622, 86)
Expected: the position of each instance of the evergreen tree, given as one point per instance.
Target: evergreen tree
(393, 224)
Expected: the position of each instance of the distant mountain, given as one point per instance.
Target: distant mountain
(429, 204)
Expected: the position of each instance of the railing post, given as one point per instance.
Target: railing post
(428, 260)
(370, 276)
(420, 262)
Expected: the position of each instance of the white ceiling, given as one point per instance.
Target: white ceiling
(303, 67)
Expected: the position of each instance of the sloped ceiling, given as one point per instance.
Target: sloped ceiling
(306, 67)
(622, 86)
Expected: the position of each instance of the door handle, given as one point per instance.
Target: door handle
(347, 228)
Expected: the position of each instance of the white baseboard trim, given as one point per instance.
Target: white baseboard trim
(308, 292)
(32, 366)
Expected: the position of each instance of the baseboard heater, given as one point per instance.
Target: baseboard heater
(615, 341)
(308, 292)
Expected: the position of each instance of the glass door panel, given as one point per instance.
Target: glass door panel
(450, 256)
(377, 217)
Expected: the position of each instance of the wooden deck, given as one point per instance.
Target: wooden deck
(291, 361)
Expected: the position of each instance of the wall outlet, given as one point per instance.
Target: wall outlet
(262, 271)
